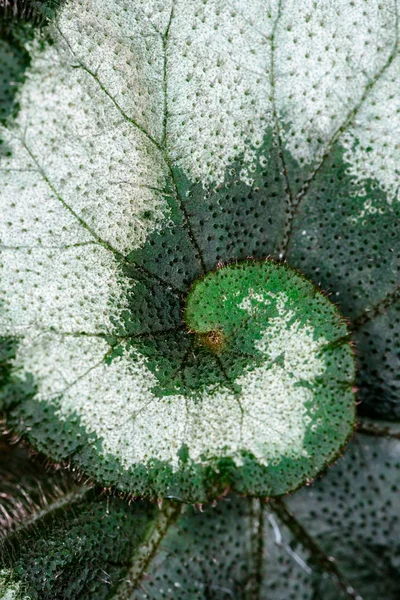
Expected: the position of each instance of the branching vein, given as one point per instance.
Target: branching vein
(317, 554)
(346, 123)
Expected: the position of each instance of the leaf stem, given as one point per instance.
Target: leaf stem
(325, 562)
(146, 551)
(382, 429)
(254, 581)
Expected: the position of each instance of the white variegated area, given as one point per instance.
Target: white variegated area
(317, 65)
(327, 56)
(127, 89)
(116, 402)
(372, 145)
(10, 591)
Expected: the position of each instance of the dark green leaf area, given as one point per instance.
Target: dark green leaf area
(237, 548)
(245, 296)
(239, 219)
(208, 225)
(79, 551)
(14, 59)
(151, 307)
(19, 19)
(378, 357)
(351, 514)
(179, 364)
(230, 309)
(71, 436)
(170, 253)
(334, 540)
(346, 238)
(207, 553)
(203, 227)
(182, 354)
(13, 389)
(155, 480)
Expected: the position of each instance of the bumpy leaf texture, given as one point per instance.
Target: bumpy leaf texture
(337, 539)
(152, 143)
(147, 144)
(65, 540)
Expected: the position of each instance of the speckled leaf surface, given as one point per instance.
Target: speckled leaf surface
(152, 142)
(61, 539)
(82, 550)
(352, 515)
(336, 539)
